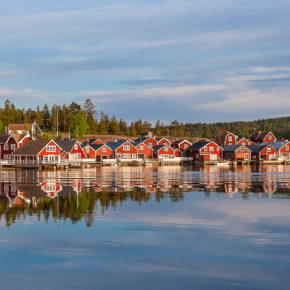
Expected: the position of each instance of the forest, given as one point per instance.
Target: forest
(85, 119)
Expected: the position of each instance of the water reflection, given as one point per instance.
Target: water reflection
(78, 194)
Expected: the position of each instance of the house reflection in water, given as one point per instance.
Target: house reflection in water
(75, 194)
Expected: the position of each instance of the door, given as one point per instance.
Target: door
(213, 157)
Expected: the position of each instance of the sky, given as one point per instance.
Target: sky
(191, 61)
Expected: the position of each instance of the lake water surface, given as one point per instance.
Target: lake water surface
(146, 228)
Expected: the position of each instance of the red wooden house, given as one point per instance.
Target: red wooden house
(144, 151)
(283, 148)
(261, 137)
(148, 141)
(163, 151)
(202, 151)
(236, 152)
(244, 141)
(35, 152)
(8, 145)
(98, 151)
(227, 138)
(182, 145)
(96, 141)
(71, 150)
(163, 141)
(123, 149)
(263, 152)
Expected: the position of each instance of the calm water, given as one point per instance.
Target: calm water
(146, 228)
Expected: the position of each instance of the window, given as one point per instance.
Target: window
(104, 149)
(126, 147)
(126, 156)
(269, 149)
(76, 146)
(166, 149)
(211, 148)
(150, 144)
(205, 149)
(87, 149)
(185, 146)
(141, 147)
(133, 155)
(287, 148)
(242, 149)
(6, 147)
(171, 156)
(218, 149)
(270, 137)
(230, 138)
(50, 149)
(119, 155)
(13, 147)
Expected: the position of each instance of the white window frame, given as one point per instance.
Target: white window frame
(87, 149)
(141, 147)
(104, 149)
(13, 147)
(150, 144)
(126, 147)
(133, 155)
(165, 149)
(51, 148)
(205, 149)
(185, 146)
(76, 147)
(230, 138)
(211, 148)
(268, 150)
(6, 146)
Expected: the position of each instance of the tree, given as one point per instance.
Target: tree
(2, 127)
(79, 125)
(46, 136)
(89, 110)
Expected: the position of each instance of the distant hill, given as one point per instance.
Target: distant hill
(279, 126)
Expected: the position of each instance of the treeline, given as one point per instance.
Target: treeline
(84, 119)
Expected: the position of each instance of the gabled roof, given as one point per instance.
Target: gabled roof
(96, 147)
(31, 147)
(258, 148)
(19, 137)
(220, 138)
(198, 145)
(259, 136)
(4, 138)
(66, 144)
(277, 145)
(178, 142)
(158, 147)
(119, 143)
(142, 139)
(232, 147)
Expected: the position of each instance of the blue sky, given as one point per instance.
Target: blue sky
(212, 60)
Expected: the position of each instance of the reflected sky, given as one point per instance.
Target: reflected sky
(146, 228)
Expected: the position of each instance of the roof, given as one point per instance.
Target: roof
(115, 145)
(277, 145)
(177, 142)
(19, 137)
(25, 126)
(259, 136)
(232, 147)
(258, 148)
(158, 147)
(198, 145)
(31, 147)
(66, 144)
(4, 138)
